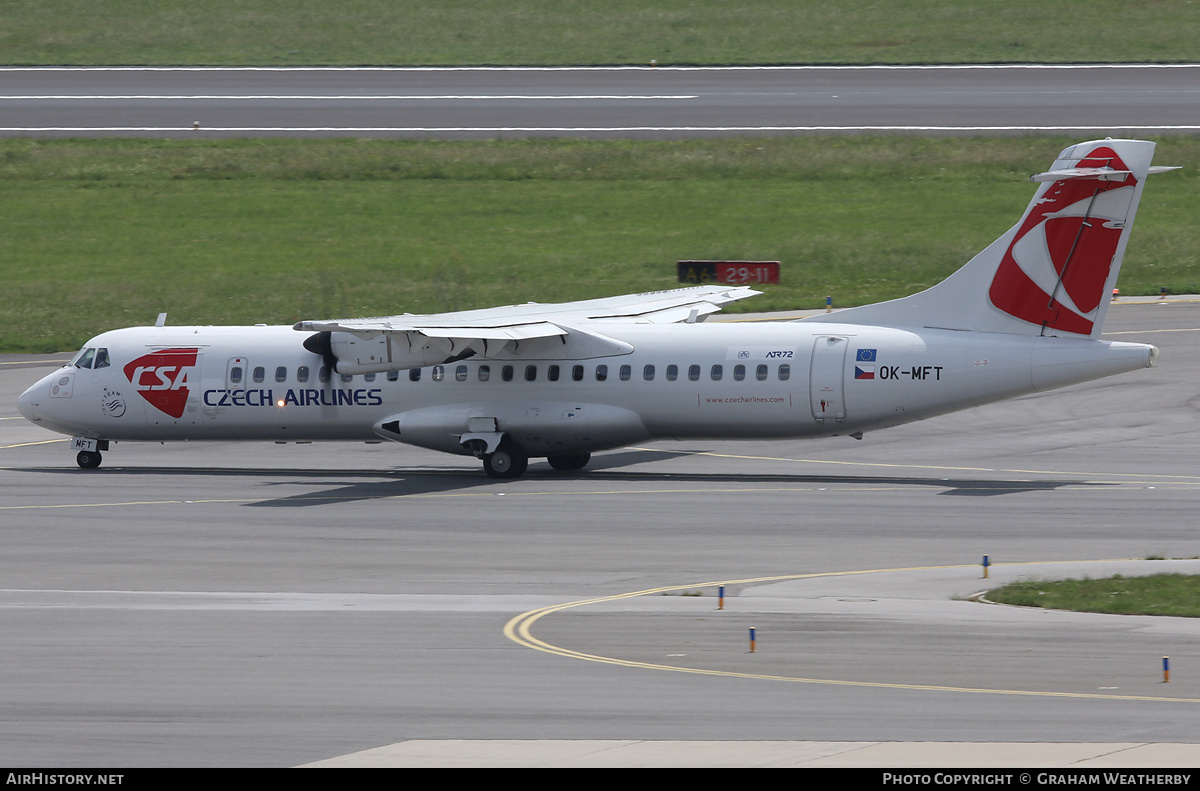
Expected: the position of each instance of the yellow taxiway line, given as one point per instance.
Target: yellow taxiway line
(519, 630)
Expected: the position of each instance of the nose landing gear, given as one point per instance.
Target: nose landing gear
(89, 451)
(88, 459)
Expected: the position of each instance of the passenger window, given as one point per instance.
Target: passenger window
(393, 376)
(322, 374)
(85, 359)
(414, 374)
(485, 373)
(716, 373)
(530, 373)
(577, 373)
(552, 373)
(438, 373)
(101, 358)
(506, 373)
(601, 373)
(625, 372)
(694, 373)
(369, 377)
(648, 373)
(460, 373)
(302, 373)
(672, 373)
(235, 375)
(739, 372)
(785, 371)
(260, 373)
(281, 374)
(347, 378)
(761, 373)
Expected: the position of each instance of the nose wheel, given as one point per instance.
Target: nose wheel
(88, 459)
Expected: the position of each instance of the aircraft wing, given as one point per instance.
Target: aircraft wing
(412, 340)
(541, 320)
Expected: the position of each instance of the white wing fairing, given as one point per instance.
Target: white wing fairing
(562, 381)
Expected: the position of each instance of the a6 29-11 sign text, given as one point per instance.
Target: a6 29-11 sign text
(736, 273)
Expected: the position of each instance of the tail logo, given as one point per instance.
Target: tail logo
(1054, 272)
(162, 378)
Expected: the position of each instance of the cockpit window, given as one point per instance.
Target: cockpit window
(84, 358)
(101, 358)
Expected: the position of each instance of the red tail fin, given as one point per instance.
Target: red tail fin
(1051, 273)
(1055, 270)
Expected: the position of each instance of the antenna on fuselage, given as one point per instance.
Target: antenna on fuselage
(162, 320)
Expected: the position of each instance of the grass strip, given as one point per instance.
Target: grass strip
(573, 32)
(1159, 594)
(99, 234)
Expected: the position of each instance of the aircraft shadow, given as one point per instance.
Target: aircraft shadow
(360, 484)
(429, 482)
(419, 483)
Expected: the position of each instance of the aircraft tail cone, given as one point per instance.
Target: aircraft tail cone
(1058, 362)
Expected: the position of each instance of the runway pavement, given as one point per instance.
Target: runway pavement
(637, 102)
(278, 605)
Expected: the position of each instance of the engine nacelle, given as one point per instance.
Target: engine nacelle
(539, 429)
(393, 352)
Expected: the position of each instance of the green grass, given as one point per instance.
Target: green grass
(100, 234)
(1160, 594)
(556, 32)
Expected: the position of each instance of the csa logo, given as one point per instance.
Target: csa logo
(1054, 271)
(162, 378)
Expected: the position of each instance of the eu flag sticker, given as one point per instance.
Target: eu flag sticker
(865, 356)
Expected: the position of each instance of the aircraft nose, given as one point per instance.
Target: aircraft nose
(25, 404)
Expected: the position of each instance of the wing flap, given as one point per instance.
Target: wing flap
(515, 332)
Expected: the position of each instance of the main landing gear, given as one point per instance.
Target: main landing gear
(570, 461)
(507, 461)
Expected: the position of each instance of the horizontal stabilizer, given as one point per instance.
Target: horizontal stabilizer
(1099, 174)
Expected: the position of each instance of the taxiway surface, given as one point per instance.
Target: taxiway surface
(259, 604)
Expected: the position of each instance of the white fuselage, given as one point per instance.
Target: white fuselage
(715, 380)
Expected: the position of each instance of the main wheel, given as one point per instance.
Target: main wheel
(508, 461)
(88, 459)
(569, 461)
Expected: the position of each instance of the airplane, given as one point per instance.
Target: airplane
(563, 381)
